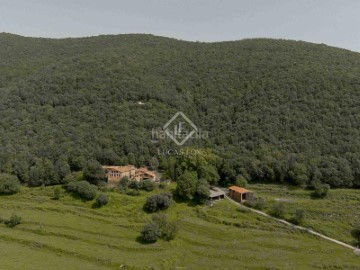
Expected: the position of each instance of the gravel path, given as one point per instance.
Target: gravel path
(356, 250)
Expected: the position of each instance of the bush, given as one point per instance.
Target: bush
(124, 183)
(151, 232)
(168, 229)
(278, 210)
(57, 193)
(299, 217)
(102, 199)
(9, 184)
(256, 203)
(83, 188)
(13, 221)
(320, 190)
(157, 202)
(86, 190)
(356, 234)
(159, 227)
(148, 185)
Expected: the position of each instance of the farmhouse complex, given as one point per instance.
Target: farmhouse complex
(115, 173)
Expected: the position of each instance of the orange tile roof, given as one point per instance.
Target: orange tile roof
(239, 189)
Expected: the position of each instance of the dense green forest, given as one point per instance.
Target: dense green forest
(275, 110)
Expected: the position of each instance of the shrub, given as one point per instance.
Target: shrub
(9, 184)
(159, 227)
(148, 185)
(356, 234)
(151, 232)
(278, 210)
(86, 190)
(135, 184)
(256, 203)
(57, 193)
(320, 190)
(168, 229)
(83, 188)
(102, 199)
(157, 202)
(71, 186)
(299, 217)
(124, 183)
(13, 221)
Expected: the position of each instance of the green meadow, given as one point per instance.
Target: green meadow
(335, 215)
(72, 234)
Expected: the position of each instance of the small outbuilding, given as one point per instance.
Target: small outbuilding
(240, 194)
(216, 194)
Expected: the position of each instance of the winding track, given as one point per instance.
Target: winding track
(356, 250)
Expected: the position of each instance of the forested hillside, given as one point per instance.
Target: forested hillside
(275, 110)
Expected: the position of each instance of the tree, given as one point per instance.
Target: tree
(73, 177)
(203, 162)
(298, 174)
(62, 167)
(241, 181)
(9, 184)
(94, 173)
(151, 232)
(202, 191)
(186, 185)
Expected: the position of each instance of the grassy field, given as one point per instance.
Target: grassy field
(335, 216)
(71, 234)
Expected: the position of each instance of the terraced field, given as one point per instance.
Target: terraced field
(71, 234)
(335, 216)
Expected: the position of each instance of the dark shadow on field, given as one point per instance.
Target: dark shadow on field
(314, 196)
(180, 200)
(76, 196)
(95, 205)
(142, 242)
